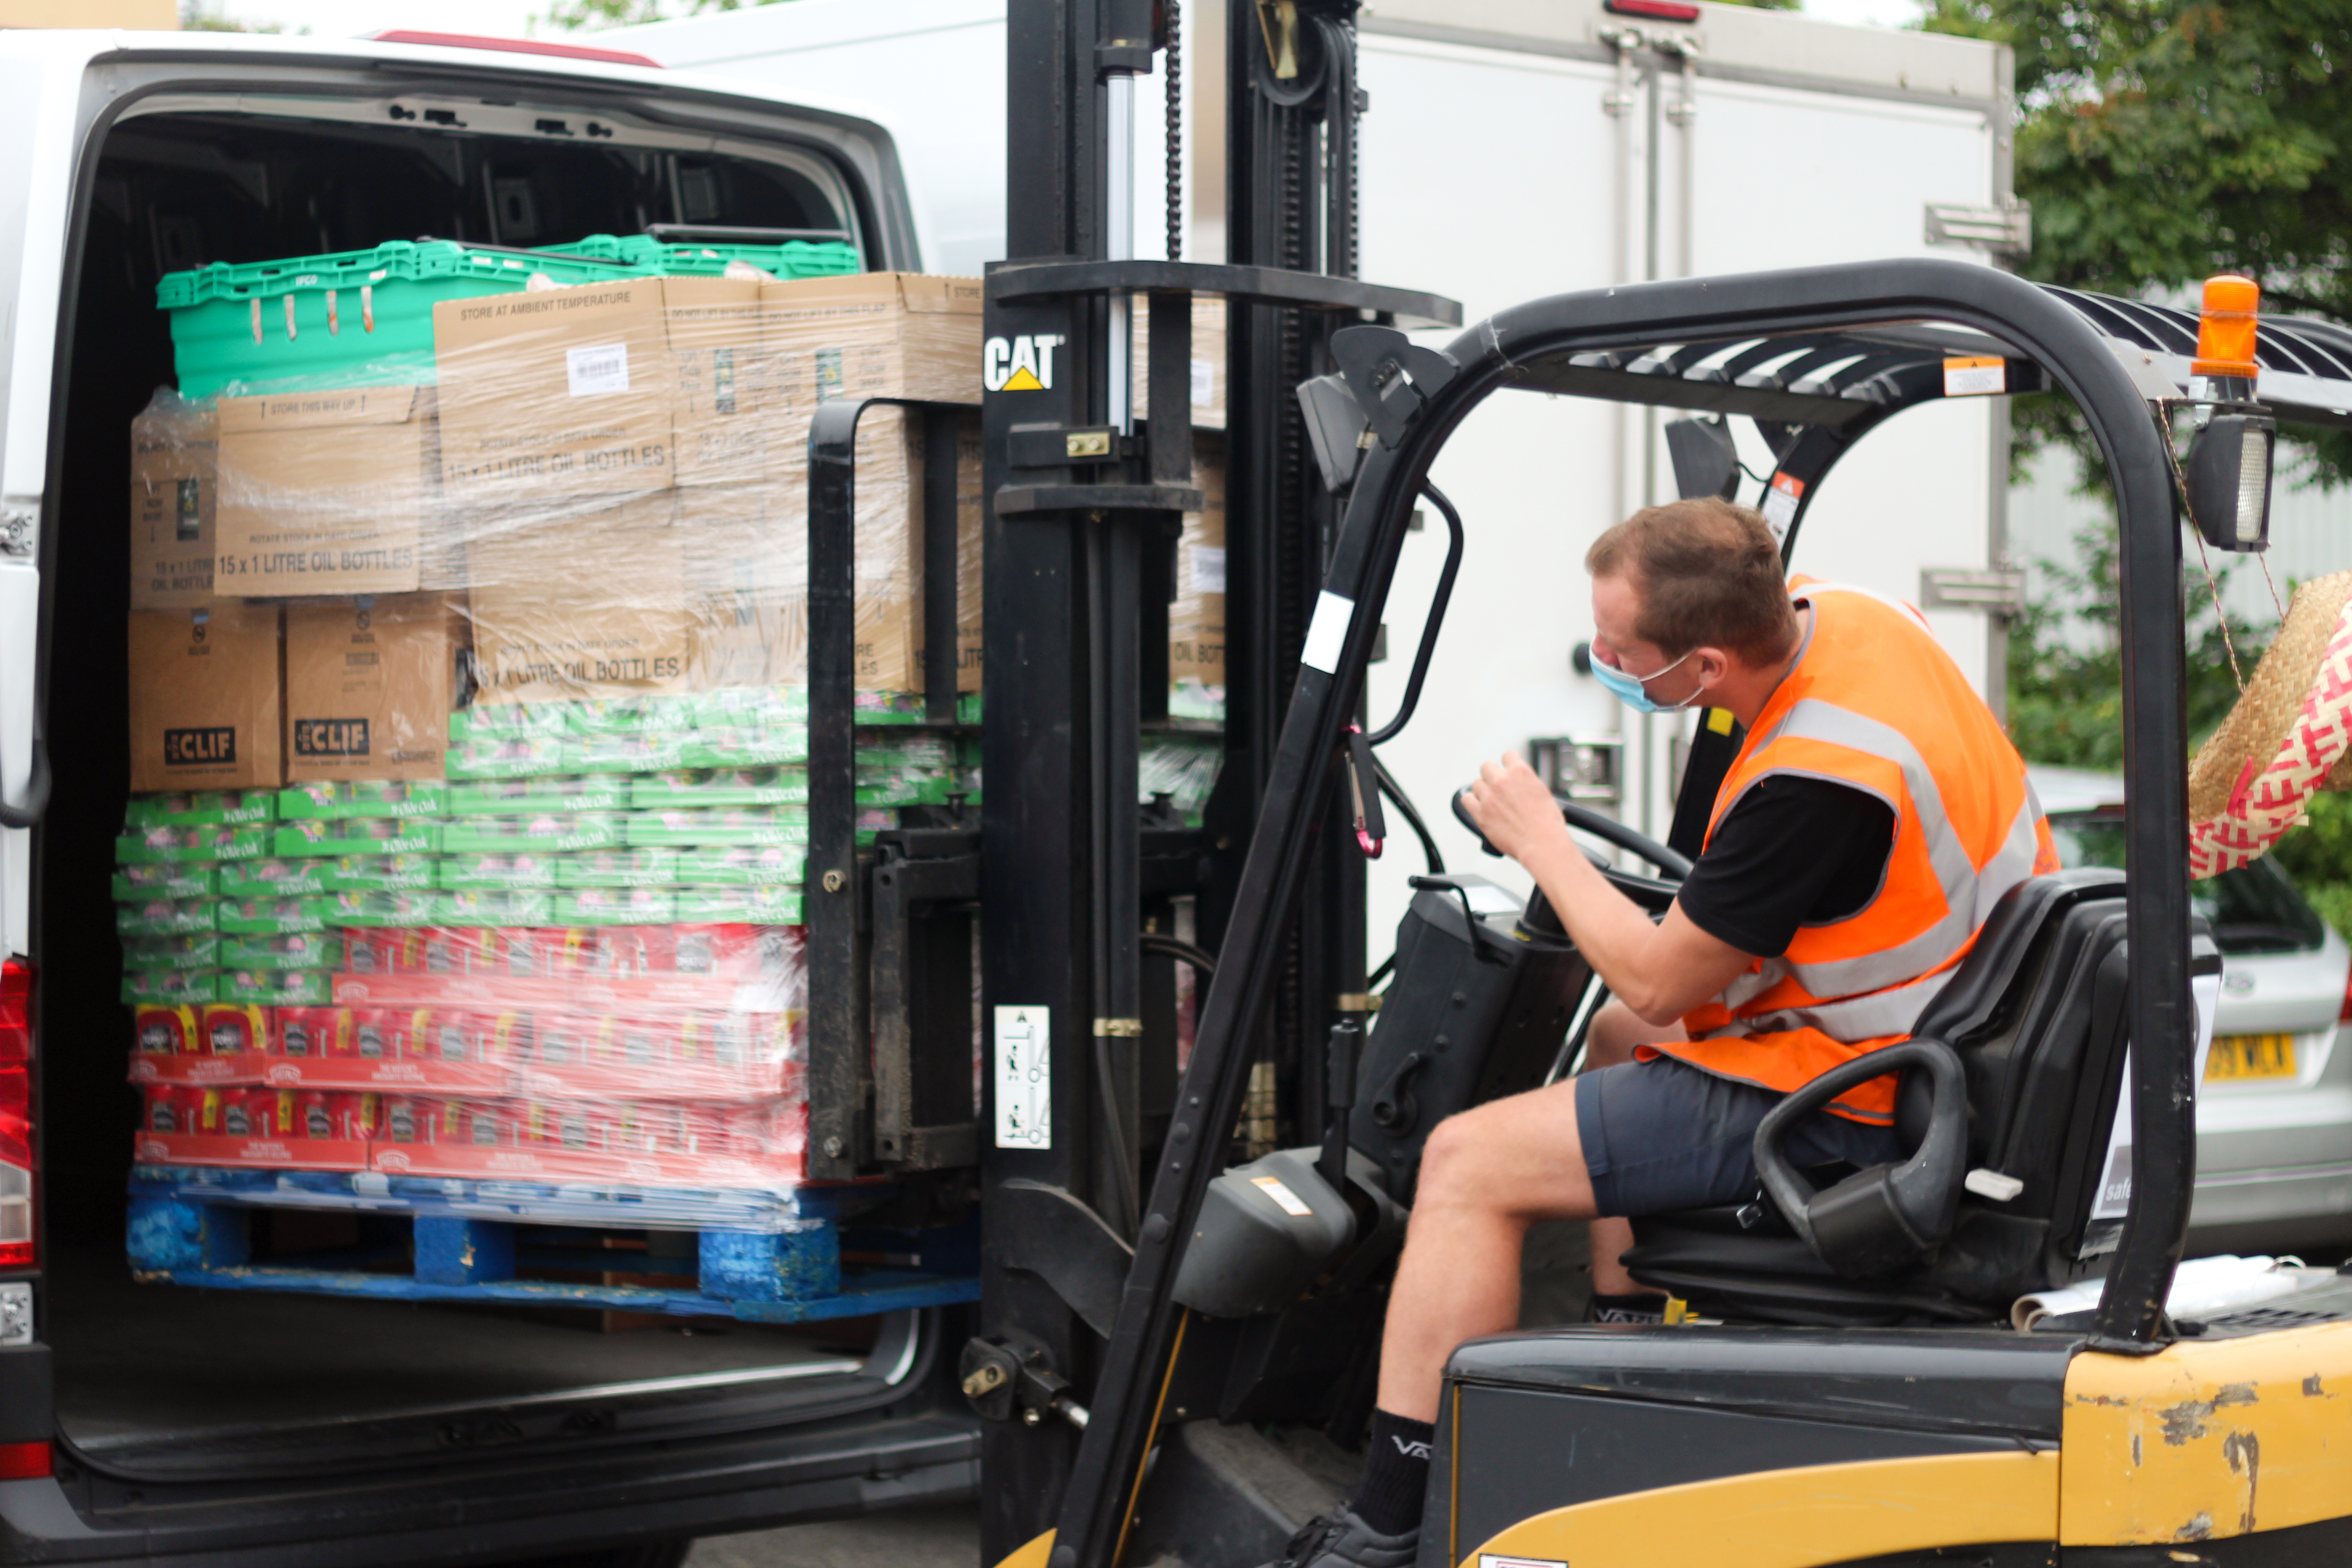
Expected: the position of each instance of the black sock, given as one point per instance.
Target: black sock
(1635, 1307)
(1396, 1474)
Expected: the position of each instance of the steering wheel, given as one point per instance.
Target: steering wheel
(1653, 893)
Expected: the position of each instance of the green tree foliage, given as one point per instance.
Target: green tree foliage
(591, 16)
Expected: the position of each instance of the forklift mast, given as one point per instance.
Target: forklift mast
(1084, 503)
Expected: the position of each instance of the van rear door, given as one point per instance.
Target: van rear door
(40, 79)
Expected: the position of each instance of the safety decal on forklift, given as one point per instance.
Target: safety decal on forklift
(1024, 364)
(1024, 1077)
(1326, 634)
(1285, 1199)
(1780, 503)
(1978, 377)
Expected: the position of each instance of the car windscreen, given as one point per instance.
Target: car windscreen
(2254, 909)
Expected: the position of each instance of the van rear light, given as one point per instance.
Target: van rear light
(521, 47)
(26, 1461)
(2344, 1014)
(16, 1246)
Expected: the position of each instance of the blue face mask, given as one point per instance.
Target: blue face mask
(1627, 690)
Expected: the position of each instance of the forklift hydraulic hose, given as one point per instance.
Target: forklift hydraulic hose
(1395, 791)
(1180, 949)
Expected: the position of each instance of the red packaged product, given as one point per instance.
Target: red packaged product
(712, 1038)
(309, 1032)
(357, 1113)
(232, 1028)
(378, 1034)
(634, 951)
(160, 1107)
(639, 1042)
(313, 1114)
(444, 1035)
(363, 952)
(400, 950)
(565, 1039)
(273, 1114)
(450, 950)
(507, 1037)
(166, 1031)
(409, 1119)
(726, 951)
(484, 1123)
(566, 950)
(239, 1111)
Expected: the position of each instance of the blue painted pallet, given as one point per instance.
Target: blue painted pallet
(778, 1259)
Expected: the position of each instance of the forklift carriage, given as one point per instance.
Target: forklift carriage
(1866, 1400)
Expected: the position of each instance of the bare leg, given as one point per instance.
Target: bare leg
(1615, 1032)
(1485, 1176)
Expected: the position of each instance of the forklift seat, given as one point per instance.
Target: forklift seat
(2035, 1014)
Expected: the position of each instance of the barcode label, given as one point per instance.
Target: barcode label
(597, 368)
(1208, 568)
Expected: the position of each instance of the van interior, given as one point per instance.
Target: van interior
(162, 1381)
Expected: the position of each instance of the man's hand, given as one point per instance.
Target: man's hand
(1514, 810)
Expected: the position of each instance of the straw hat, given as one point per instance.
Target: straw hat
(2290, 734)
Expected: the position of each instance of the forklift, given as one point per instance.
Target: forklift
(1175, 1345)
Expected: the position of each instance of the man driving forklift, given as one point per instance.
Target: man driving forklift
(1874, 815)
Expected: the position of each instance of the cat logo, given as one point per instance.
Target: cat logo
(1019, 364)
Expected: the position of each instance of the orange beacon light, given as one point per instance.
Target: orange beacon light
(2226, 328)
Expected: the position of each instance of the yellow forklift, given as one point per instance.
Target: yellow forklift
(1848, 1386)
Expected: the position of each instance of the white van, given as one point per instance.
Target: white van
(154, 1423)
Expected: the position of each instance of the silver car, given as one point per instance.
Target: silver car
(2274, 1113)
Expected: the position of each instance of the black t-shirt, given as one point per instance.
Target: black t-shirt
(1790, 852)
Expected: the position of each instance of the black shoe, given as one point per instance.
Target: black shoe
(1343, 1541)
(1646, 1307)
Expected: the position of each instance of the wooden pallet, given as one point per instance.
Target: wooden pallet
(778, 1259)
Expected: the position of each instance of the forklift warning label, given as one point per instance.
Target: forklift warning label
(1024, 1077)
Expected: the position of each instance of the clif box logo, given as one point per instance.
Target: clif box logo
(331, 738)
(200, 748)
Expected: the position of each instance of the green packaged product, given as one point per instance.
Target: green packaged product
(275, 879)
(196, 950)
(723, 746)
(694, 787)
(923, 749)
(618, 869)
(615, 907)
(520, 797)
(514, 906)
(507, 757)
(359, 835)
(276, 987)
(167, 916)
(738, 906)
(464, 873)
(402, 908)
(169, 987)
(548, 833)
(137, 883)
(751, 826)
(489, 724)
(358, 798)
(769, 866)
(191, 846)
(203, 808)
(752, 707)
(629, 715)
(275, 917)
(290, 950)
(625, 752)
(908, 786)
(378, 873)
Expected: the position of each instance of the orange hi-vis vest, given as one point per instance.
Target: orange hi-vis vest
(1873, 702)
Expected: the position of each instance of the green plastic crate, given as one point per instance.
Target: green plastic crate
(357, 318)
(793, 259)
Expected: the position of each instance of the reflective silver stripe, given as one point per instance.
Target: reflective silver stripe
(1852, 1021)
(1969, 894)
(1746, 988)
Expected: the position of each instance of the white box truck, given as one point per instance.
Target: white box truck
(1515, 148)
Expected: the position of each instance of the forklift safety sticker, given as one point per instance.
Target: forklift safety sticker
(1024, 364)
(1326, 634)
(1979, 376)
(1780, 503)
(1024, 1077)
(1287, 1200)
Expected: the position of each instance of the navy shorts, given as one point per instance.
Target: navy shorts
(1661, 1136)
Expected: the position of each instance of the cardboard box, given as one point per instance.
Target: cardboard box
(1196, 620)
(174, 452)
(1207, 388)
(370, 682)
(589, 604)
(744, 550)
(206, 698)
(603, 389)
(872, 335)
(327, 492)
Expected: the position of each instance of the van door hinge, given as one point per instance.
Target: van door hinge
(17, 524)
(2004, 230)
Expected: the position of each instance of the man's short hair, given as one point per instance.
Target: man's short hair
(1707, 573)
